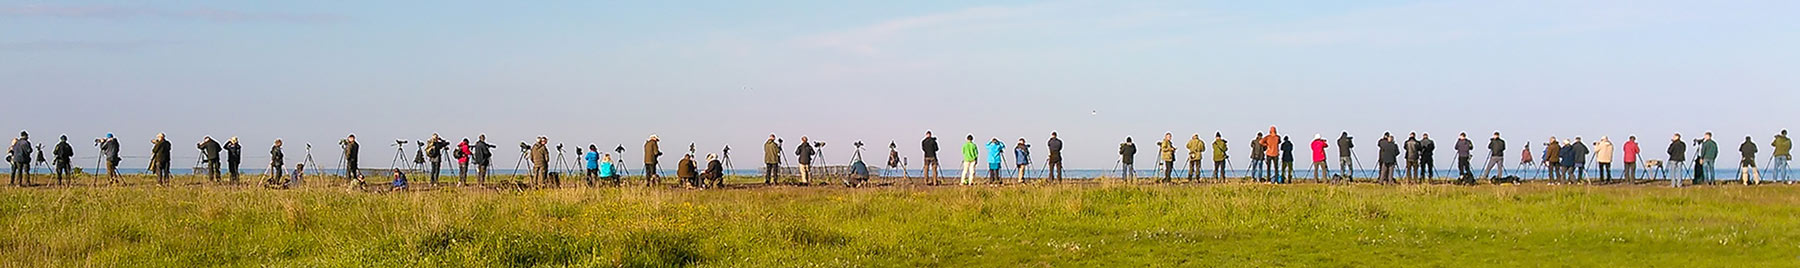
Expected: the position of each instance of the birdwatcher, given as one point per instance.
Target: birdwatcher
(1320, 169)
(1196, 153)
(462, 162)
(1022, 156)
(540, 161)
(1782, 155)
(1464, 149)
(1389, 158)
(1128, 156)
(276, 157)
(109, 148)
(608, 171)
(684, 170)
(434, 149)
(996, 150)
(483, 155)
(1165, 151)
(929, 146)
(62, 154)
(1747, 172)
(1412, 156)
(714, 176)
(1272, 153)
(771, 160)
(1219, 156)
(1054, 163)
(1346, 159)
(1603, 158)
(20, 154)
(399, 183)
(352, 153)
(209, 152)
(1709, 149)
(805, 153)
(1497, 157)
(652, 152)
(970, 152)
(1256, 157)
(1427, 157)
(1632, 153)
(160, 149)
(1287, 159)
(234, 155)
(592, 160)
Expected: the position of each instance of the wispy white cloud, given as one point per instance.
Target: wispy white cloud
(109, 12)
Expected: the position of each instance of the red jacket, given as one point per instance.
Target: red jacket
(1631, 151)
(1318, 146)
(464, 147)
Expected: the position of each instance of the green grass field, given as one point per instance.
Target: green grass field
(1088, 224)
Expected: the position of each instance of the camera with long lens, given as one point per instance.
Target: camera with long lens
(858, 144)
(344, 143)
(620, 149)
(559, 147)
(399, 142)
(524, 146)
(819, 144)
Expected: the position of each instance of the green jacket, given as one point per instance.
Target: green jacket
(1709, 150)
(1219, 147)
(1195, 149)
(771, 152)
(970, 151)
(1167, 150)
(1783, 145)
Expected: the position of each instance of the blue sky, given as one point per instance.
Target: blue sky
(718, 72)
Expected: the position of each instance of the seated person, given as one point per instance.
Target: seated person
(714, 176)
(608, 172)
(399, 181)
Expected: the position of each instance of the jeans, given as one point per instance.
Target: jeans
(1462, 166)
(1130, 172)
(1673, 171)
(1779, 168)
(435, 166)
(993, 172)
(1347, 165)
(1256, 168)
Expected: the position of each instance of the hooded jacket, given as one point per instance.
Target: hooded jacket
(805, 151)
(1497, 147)
(1165, 150)
(1128, 153)
(930, 146)
(996, 151)
(1603, 151)
(1318, 150)
(1783, 146)
(1272, 144)
(1631, 151)
(1389, 152)
(1219, 148)
(1287, 151)
(465, 154)
(1463, 146)
(1196, 149)
(771, 152)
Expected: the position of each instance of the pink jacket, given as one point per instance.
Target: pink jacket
(1631, 151)
(1318, 146)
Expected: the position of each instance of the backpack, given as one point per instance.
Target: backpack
(459, 154)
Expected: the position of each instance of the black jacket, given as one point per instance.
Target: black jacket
(482, 152)
(930, 146)
(63, 151)
(159, 154)
(1747, 148)
(1464, 148)
(713, 169)
(352, 152)
(1581, 152)
(234, 152)
(1128, 153)
(1389, 152)
(1677, 151)
(275, 156)
(805, 152)
(1055, 145)
(435, 149)
(1496, 147)
(111, 149)
(1412, 149)
(1287, 151)
(210, 150)
(1344, 143)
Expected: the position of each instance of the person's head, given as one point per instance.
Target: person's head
(482, 137)
(109, 134)
(23, 135)
(1128, 139)
(1287, 138)
(994, 139)
(159, 136)
(711, 157)
(1783, 132)
(64, 137)
(607, 157)
(206, 138)
(1196, 135)
(1708, 135)
(1462, 135)
(396, 172)
(299, 166)
(593, 148)
(1316, 136)
(654, 138)
(771, 136)
(1746, 138)
(1168, 135)
(1259, 135)
(689, 155)
(1631, 138)
(1605, 138)
(277, 142)
(1021, 140)
(1344, 134)
(1426, 135)
(1053, 133)
(543, 140)
(1218, 135)
(1412, 135)
(928, 133)
(1496, 134)
(803, 139)
(434, 135)
(970, 137)
(232, 140)
(465, 140)
(1385, 135)
(1577, 138)
(352, 137)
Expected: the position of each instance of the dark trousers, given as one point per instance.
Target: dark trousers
(62, 171)
(770, 172)
(1130, 173)
(1630, 172)
(1428, 168)
(233, 167)
(1462, 166)
(650, 174)
(1056, 169)
(275, 169)
(435, 165)
(462, 172)
(1605, 171)
(1219, 170)
(212, 170)
(1193, 167)
(1387, 173)
(1168, 170)
(112, 168)
(21, 173)
(592, 174)
(993, 175)
(350, 170)
(481, 174)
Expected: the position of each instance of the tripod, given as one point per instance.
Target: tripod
(555, 179)
(399, 159)
(727, 159)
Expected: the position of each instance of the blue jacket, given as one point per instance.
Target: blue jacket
(1022, 153)
(593, 160)
(606, 170)
(995, 151)
(1568, 156)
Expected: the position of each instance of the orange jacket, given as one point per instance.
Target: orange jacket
(1273, 142)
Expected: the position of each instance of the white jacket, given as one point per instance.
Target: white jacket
(1603, 151)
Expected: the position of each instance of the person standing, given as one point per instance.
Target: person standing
(1631, 158)
(1128, 156)
(1497, 157)
(462, 162)
(805, 153)
(234, 155)
(969, 154)
(1553, 158)
(483, 154)
(1427, 157)
(159, 158)
(1677, 160)
(434, 149)
(109, 148)
(1603, 157)
(21, 159)
(1463, 148)
(652, 152)
(1272, 153)
(1287, 160)
(1346, 158)
(276, 159)
(1219, 156)
(1196, 153)
(352, 152)
(1165, 151)
(1389, 158)
(1412, 156)
(592, 159)
(1256, 157)
(1747, 172)
(62, 153)
(995, 150)
(771, 160)
(1054, 162)
(209, 152)
(1320, 170)
(930, 148)
(1022, 155)
(540, 162)
(1782, 155)
(1709, 150)
(1580, 158)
